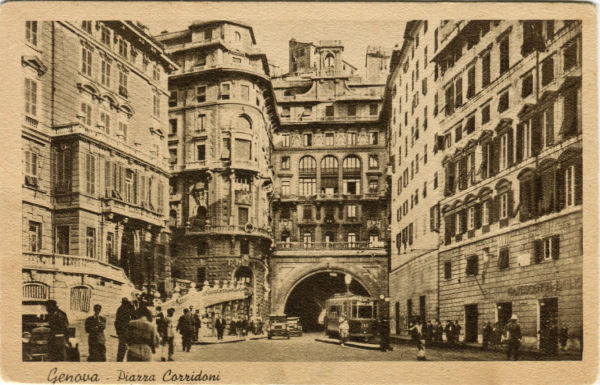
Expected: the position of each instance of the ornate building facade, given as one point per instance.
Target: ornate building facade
(94, 163)
(330, 209)
(221, 115)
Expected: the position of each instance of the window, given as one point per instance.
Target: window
(35, 236)
(527, 85)
(63, 239)
(172, 155)
(201, 151)
(459, 90)
(329, 139)
(245, 92)
(570, 186)
(242, 216)
(373, 138)
(307, 111)
(504, 56)
(285, 162)
(471, 218)
(458, 133)
(105, 76)
(307, 140)
(86, 25)
(424, 154)
(31, 32)
(373, 161)
(86, 114)
(122, 83)
(435, 180)
(504, 151)
(570, 125)
(90, 173)
(485, 114)
(307, 212)
(285, 140)
(123, 130)
(352, 138)
(156, 105)
(352, 110)
(570, 55)
(307, 186)
(472, 265)
(504, 206)
(307, 239)
(351, 211)
(471, 83)
(329, 111)
(86, 61)
(156, 72)
(225, 90)
(243, 149)
(373, 186)
(30, 97)
(105, 35)
(105, 121)
(447, 270)
(201, 122)
(503, 102)
(208, 34)
(503, 258)
(449, 108)
(547, 71)
(201, 94)
(122, 44)
(351, 186)
(485, 212)
(548, 124)
(373, 109)
(90, 242)
(285, 187)
(485, 70)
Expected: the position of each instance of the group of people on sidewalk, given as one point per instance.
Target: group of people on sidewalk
(434, 331)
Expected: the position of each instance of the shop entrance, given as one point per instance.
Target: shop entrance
(548, 322)
(504, 312)
(471, 322)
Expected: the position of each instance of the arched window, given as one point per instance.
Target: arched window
(351, 164)
(329, 175)
(351, 171)
(308, 165)
(329, 165)
(243, 122)
(35, 290)
(172, 217)
(329, 61)
(81, 297)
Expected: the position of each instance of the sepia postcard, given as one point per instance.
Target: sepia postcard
(312, 193)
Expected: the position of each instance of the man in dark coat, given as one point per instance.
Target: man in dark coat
(219, 326)
(124, 315)
(487, 335)
(186, 327)
(456, 331)
(197, 324)
(95, 326)
(58, 324)
(513, 331)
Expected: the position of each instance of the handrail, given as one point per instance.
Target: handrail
(358, 245)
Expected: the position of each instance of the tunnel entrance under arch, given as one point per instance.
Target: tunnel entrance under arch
(307, 298)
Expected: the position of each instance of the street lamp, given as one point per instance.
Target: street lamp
(347, 281)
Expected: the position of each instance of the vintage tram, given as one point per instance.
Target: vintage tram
(360, 311)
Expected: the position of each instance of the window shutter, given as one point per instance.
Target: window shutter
(536, 135)
(484, 159)
(107, 178)
(463, 173)
(510, 198)
(494, 164)
(555, 246)
(560, 189)
(538, 250)
(494, 209)
(478, 216)
(519, 152)
(463, 220)
(431, 222)
(524, 202)
(449, 232)
(578, 180)
(135, 188)
(450, 177)
(510, 146)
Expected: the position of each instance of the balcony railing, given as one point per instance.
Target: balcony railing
(72, 264)
(227, 229)
(362, 245)
(323, 118)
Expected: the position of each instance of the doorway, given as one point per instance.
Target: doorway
(471, 323)
(397, 315)
(504, 312)
(548, 320)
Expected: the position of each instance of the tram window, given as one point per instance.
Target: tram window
(365, 312)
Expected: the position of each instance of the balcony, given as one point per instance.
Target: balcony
(247, 230)
(101, 137)
(141, 213)
(73, 264)
(328, 119)
(322, 249)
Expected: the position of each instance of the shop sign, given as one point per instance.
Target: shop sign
(545, 287)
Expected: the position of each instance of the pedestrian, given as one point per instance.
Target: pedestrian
(344, 329)
(186, 327)
(429, 331)
(417, 335)
(563, 337)
(513, 335)
(58, 323)
(384, 335)
(170, 332)
(142, 337)
(94, 326)
(487, 335)
(124, 315)
(219, 326)
(456, 331)
(197, 324)
(448, 329)
(439, 331)
(161, 329)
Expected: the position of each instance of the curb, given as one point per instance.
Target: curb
(353, 344)
(218, 342)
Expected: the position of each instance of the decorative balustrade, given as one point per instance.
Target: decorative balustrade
(73, 264)
(197, 229)
(359, 245)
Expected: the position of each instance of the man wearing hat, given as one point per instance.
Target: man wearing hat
(124, 315)
(513, 331)
(58, 324)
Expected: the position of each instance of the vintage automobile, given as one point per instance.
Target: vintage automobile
(294, 327)
(36, 333)
(278, 326)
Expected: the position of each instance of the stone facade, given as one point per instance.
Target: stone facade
(95, 171)
(221, 117)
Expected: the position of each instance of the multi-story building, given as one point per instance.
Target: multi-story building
(221, 114)
(330, 209)
(94, 162)
(416, 188)
(510, 128)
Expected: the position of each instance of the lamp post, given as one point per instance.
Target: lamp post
(347, 281)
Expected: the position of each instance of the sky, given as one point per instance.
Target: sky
(273, 34)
